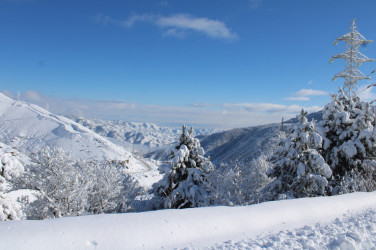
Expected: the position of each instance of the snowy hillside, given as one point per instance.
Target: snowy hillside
(338, 222)
(243, 144)
(29, 128)
(148, 134)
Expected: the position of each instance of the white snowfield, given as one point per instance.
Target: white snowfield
(338, 222)
(29, 128)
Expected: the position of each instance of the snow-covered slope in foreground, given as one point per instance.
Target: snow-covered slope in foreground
(29, 128)
(347, 221)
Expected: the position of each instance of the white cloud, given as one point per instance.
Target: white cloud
(298, 98)
(304, 94)
(137, 18)
(310, 92)
(178, 25)
(211, 28)
(33, 96)
(230, 115)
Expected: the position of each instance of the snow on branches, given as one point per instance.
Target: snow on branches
(185, 184)
(298, 168)
(68, 187)
(349, 138)
(10, 169)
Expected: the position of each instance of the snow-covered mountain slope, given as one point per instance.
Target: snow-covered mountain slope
(29, 128)
(241, 144)
(148, 134)
(244, 144)
(337, 222)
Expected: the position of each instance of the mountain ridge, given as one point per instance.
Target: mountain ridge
(28, 128)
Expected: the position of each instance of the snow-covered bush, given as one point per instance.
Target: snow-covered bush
(105, 185)
(127, 200)
(70, 188)
(110, 189)
(349, 141)
(63, 189)
(10, 169)
(226, 183)
(184, 184)
(299, 170)
(238, 183)
(359, 181)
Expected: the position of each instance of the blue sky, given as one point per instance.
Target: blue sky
(220, 63)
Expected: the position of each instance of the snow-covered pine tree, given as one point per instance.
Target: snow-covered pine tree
(299, 169)
(10, 168)
(185, 184)
(349, 142)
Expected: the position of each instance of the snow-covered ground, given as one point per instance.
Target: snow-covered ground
(338, 222)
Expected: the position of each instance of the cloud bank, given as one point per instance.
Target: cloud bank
(223, 116)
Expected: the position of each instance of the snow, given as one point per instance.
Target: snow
(337, 222)
(10, 166)
(29, 128)
(351, 231)
(148, 135)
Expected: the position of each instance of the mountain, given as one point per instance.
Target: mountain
(28, 128)
(241, 144)
(147, 134)
(244, 144)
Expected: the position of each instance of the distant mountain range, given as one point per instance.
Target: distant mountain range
(147, 134)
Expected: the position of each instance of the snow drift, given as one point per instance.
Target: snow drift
(197, 228)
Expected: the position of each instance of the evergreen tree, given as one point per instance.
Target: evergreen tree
(298, 167)
(349, 141)
(185, 183)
